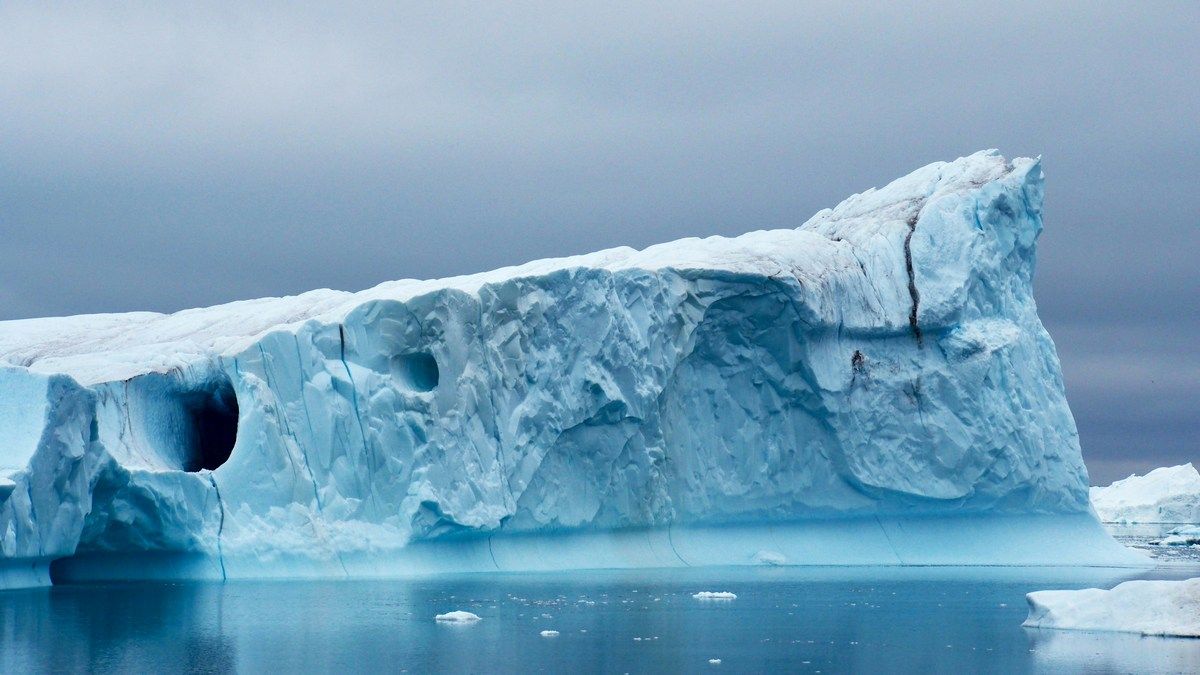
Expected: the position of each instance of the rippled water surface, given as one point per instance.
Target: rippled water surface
(794, 620)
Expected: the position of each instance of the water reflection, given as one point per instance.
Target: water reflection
(115, 628)
(1078, 651)
(798, 620)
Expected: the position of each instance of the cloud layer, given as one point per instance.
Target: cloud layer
(159, 156)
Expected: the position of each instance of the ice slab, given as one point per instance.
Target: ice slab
(1167, 608)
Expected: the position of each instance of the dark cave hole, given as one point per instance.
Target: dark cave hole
(213, 418)
(418, 370)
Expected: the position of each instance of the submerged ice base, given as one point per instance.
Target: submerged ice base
(873, 387)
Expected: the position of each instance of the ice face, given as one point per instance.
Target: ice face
(881, 368)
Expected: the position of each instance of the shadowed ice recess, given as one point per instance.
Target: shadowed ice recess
(871, 388)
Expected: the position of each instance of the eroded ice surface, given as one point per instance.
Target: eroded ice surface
(873, 387)
(1169, 494)
(1168, 608)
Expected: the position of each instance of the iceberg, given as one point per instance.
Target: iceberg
(1169, 495)
(873, 387)
(458, 616)
(1165, 608)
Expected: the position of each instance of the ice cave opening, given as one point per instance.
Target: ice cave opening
(212, 416)
(419, 370)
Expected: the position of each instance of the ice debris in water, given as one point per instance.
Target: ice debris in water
(715, 662)
(714, 595)
(549, 633)
(765, 557)
(457, 616)
(1188, 535)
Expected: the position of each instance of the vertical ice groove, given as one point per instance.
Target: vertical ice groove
(913, 293)
(367, 454)
(220, 525)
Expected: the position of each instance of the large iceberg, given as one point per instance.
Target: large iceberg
(1169, 494)
(874, 387)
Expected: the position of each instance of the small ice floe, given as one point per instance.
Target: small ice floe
(457, 616)
(715, 662)
(765, 557)
(1168, 608)
(549, 633)
(1181, 536)
(714, 595)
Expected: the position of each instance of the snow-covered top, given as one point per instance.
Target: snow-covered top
(107, 347)
(1169, 608)
(1165, 495)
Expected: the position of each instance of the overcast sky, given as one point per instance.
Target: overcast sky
(159, 157)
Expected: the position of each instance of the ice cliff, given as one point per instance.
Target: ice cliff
(874, 387)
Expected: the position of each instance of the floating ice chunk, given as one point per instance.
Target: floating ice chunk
(457, 616)
(765, 557)
(549, 633)
(1170, 608)
(714, 595)
(715, 662)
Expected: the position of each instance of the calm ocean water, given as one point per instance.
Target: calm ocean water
(827, 620)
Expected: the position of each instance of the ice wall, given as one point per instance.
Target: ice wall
(873, 387)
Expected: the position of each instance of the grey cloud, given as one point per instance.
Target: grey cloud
(159, 156)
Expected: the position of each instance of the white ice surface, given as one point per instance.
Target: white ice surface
(714, 595)
(1168, 608)
(1164, 495)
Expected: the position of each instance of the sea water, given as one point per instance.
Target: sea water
(783, 619)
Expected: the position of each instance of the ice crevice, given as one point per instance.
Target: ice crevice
(221, 525)
(913, 293)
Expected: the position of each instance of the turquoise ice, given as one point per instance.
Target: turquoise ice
(873, 387)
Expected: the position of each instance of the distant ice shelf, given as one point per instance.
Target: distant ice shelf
(873, 387)
(1169, 495)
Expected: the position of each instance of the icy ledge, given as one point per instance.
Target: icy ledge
(1165, 495)
(873, 387)
(1168, 608)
